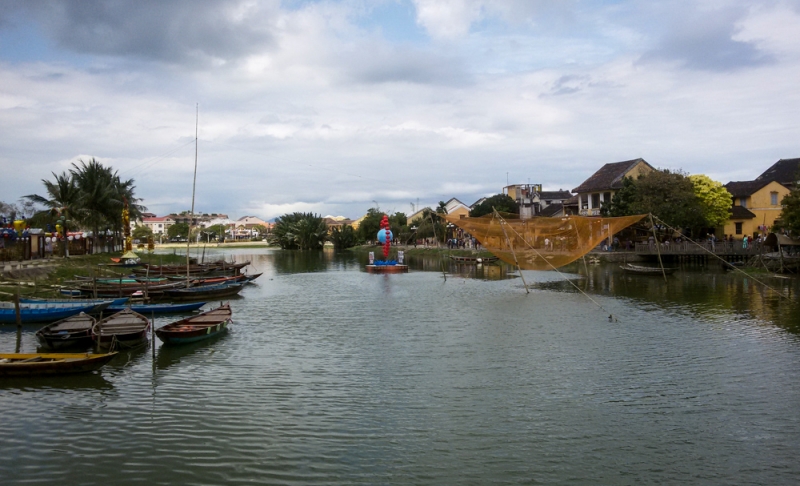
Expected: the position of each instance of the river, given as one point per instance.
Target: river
(330, 375)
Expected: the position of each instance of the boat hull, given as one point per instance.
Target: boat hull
(72, 332)
(149, 309)
(203, 326)
(43, 364)
(125, 328)
(39, 313)
(387, 268)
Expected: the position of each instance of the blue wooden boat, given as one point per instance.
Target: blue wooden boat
(149, 309)
(114, 302)
(196, 328)
(42, 312)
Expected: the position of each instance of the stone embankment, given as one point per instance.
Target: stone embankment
(28, 269)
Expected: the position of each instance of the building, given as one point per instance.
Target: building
(527, 197)
(756, 206)
(786, 172)
(158, 225)
(604, 183)
(457, 208)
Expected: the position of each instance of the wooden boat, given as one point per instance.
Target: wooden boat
(473, 260)
(35, 364)
(196, 328)
(126, 328)
(640, 270)
(42, 312)
(201, 281)
(113, 302)
(108, 290)
(67, 333)
(150, 309)
(208, 292)
(175, 269)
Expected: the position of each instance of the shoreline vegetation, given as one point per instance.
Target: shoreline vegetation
(45, 278)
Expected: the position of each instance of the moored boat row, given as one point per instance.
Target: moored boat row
(126, 328)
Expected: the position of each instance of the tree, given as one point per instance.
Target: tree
(370, 224)
(622, 202)
(62, 198)
(141, 232)
(715, 200)
(260, 231)
(502, 202)
(178, 230)
(217, 230)
(343, 237)
(790, 214)
(441, 208)
(299, 231)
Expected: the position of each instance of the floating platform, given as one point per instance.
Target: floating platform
(387, 268)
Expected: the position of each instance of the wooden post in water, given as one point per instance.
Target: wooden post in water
(18, 313)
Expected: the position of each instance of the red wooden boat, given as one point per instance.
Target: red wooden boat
(197, 328)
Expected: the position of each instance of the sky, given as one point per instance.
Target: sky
(333, 107)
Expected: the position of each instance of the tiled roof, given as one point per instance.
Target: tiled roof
(745, 188)
(608, 177)
(573, 201)
(551, 210)
(555, 194)
(738, 212)
(157, 219)
(785, 171)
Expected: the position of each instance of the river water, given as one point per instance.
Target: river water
(330, 375)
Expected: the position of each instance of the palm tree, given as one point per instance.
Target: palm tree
(63, 197)
(96, 185)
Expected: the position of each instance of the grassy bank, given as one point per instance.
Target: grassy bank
(45, 280)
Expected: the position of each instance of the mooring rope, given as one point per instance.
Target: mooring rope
(720, 258)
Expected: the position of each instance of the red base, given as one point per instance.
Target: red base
(387, 268)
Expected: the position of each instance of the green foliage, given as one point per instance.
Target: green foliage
(429, 226)
(261, 230)
(90, 195)
(397, 220)
(715, 200)
(670, 196)
(343, 237)
(178, 230)
(622, 202)
(790, 214)
(370, 224)
(141, 232)
(502, 202)
(441, 208)
(217, 230)
(299, 231)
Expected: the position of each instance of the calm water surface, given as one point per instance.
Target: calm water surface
(334, 376)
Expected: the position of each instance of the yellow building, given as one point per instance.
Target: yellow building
(756, 206)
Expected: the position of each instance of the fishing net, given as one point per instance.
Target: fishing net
(541, 243)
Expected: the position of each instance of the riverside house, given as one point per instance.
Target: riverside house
(603, 184)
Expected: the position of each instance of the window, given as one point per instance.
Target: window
(742, 203)
(738, 228)
(773, 198)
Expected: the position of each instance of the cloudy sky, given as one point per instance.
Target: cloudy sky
(336, 106)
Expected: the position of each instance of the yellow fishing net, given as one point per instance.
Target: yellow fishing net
(541, 243)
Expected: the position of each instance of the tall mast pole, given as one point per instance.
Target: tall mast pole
(194, 184)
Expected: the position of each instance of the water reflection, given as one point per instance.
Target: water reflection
(702, 290)
(168, 356)
(78, 381)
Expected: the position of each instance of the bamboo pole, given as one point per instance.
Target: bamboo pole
(18, 315)
(658, 249)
